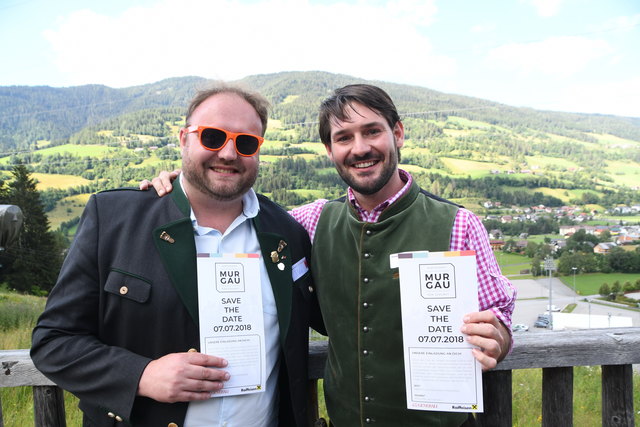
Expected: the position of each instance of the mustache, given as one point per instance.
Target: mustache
(365, 158)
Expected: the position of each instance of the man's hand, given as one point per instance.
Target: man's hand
(182, 377)
(162, 182)
(484, 330)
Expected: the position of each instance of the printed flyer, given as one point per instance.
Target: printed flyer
(437, 289)
(231, 322)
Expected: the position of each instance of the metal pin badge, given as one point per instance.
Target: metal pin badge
(275, 257)
(281, 245)
(280, 266)
(165, 236)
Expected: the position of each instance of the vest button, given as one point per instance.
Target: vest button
(369, 232)
(365, 305)
(365, 352)
(365, 280)
(368, 420)
(365, 329)
(367, 255)
(366, 398)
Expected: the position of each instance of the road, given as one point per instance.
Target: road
(533, 298)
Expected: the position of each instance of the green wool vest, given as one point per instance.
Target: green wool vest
(360, 300)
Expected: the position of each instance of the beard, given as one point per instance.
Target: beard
(369, 184)
(220, 190)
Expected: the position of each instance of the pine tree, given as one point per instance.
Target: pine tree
(32, 264)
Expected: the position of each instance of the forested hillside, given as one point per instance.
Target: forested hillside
(83, 139)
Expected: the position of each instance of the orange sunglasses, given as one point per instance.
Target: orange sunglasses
(213, 139)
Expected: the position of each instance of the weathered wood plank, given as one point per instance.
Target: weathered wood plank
(17, 369)
(617, 396)
(496, 389)
(587, 347)
(48, 407)
(557, 397)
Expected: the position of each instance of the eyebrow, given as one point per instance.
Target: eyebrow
(364, 126)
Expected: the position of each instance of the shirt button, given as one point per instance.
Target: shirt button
(365, 280)
(367, 255)
(366, 329)
(124, 290)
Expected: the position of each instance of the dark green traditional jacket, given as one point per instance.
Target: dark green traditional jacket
(127, 294)
(360, 299)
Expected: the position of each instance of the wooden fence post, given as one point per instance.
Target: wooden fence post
(496, 389)
(48, 406)
(557, 396)
(617, 395)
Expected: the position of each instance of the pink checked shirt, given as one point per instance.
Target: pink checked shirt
(495, 292)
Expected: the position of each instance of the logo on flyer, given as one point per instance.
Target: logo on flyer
(229, 277)
(437, 280)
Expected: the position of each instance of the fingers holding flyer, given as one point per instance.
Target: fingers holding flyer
(484, 330)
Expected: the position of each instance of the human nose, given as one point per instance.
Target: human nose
(359, 146)
(228, 152)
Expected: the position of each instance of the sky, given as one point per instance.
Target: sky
(559, 55)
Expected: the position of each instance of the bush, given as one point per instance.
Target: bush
(604, 290)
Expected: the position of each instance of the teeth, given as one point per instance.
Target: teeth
(364, 165)
(222, 170)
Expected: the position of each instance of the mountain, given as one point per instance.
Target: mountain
(30, 114)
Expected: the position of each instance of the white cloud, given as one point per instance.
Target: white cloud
(228, 39)
(617, 98)
(546, 8)
(556, 56)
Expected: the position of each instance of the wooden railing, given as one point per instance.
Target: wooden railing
(616, 350)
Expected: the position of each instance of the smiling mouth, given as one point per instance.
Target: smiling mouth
(363, 165)
(223, 170)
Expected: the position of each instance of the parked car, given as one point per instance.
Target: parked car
(519, 327)
(541, 323)
(552, 308)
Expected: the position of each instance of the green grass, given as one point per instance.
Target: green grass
(589, 284)
(58, 181)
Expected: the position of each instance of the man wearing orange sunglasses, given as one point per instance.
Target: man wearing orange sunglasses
(121, 326)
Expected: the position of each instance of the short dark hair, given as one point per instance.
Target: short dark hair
(334, 108)
(257, 101)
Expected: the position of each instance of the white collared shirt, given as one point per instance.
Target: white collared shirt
(256, 409)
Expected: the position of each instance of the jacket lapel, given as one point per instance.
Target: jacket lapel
(176, 245)
(281, 278)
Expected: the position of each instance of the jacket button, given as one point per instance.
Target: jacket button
(111, 415)
(124, 290)
(310, 288)
(118, 418)
(172, 425)
(192, 350)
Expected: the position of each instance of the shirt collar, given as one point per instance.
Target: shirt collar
(404, 176)
(250, 204)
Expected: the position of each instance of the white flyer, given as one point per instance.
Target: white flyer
(231, 322)
(436, 290)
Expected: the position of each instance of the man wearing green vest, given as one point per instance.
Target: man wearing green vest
(384, 212)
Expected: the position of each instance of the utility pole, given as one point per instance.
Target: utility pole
(550, 266)
(574, 283)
